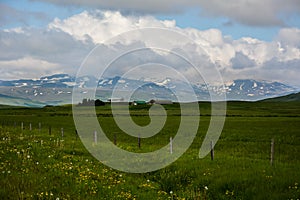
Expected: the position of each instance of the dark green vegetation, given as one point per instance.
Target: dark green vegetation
(287, 98)
(35, 164)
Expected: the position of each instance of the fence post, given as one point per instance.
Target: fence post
(115, 139)
(95, 137)
(212, 153)
(139, 142)
(22, 126)
(272, 152)
(40, 126)
(30, 127)
(62, 132)
(76, 134)
(171, 145)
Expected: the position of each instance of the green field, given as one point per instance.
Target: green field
(37, 165)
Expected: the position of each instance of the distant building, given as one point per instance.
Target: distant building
(135, 103)
(91, 102)
(116, 100)
(160, 101)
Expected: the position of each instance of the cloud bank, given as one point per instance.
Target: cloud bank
(254, 12)
(63, 45)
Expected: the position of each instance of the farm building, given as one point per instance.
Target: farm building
(139, 102)
(161, 102)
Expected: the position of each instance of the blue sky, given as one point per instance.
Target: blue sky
(248, 39)
(186, 18)
(193, 19)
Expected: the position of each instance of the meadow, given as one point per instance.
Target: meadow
(38, 164)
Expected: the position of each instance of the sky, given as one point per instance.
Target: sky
(245, 39)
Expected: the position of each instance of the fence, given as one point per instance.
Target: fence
(275, 152)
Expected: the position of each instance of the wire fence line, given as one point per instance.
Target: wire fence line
(274, 149)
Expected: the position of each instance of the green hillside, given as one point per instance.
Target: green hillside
(17, 101)
(287, 98)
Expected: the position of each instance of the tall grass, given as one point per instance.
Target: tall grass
(36, 165)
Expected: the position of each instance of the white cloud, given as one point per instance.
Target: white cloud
(254, 12)
(289, 37)
(45, 45)
(213, 42)
(62, 46)
(27, 67)
(241, 61)
(102, 25)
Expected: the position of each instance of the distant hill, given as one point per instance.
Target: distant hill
(287, 98)
(57, 89)
(17, 101)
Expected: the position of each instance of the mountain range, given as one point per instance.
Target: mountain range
(57, 89)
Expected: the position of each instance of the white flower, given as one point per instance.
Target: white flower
(28, 156)
(205, 187)
(171, 192)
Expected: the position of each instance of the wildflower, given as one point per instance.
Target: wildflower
(171, 192)
(28, 156)
(205, 187)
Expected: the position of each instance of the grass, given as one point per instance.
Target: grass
(36, 165)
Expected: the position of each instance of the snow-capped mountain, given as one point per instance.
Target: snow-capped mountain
(57, 89)
(57, 80)
(255, 90)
